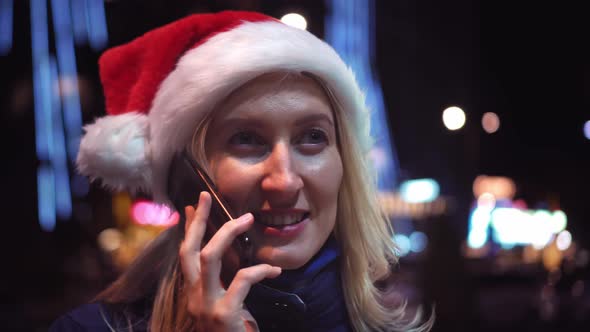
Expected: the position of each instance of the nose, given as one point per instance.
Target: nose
(281, 181)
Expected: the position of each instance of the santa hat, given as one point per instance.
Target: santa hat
(160, 85)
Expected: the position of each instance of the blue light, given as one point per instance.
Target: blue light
(96, 24)
(350, 30)
(6, 19)
(66, 58)
(46, 198)
(43, 114)
(419, 190)
(39, 35)
(79, 18)
(477, 239)
(587, 129)
(418, 241)
(59, 161)
(42, 101)
(56, 96)
(479, 221)
(41, 80)
(403, 244)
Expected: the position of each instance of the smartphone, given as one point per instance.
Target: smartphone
(186, 180)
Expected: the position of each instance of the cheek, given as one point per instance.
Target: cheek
(235, 181)
(324, 180)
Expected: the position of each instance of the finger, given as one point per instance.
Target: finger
(188, 216)
(198, 222)
(212, 253)
(190, 266)
(243, 281)
(196, 225)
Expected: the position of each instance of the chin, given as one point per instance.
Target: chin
(285, 259)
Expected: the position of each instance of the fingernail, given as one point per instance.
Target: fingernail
(276, 271)
(245, 218)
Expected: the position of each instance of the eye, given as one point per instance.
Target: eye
(246, 142)
(244, 138)
(312, 141)
(314, 136)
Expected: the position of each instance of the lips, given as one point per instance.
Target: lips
(280, 218)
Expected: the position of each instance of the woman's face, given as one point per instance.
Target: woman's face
(272, 151)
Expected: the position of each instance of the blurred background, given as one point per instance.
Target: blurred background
(481, 113)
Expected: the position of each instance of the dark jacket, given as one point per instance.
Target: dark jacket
(307, 299)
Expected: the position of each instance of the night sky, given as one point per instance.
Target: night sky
(527, 63)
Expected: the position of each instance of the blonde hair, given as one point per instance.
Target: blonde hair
(362, 230)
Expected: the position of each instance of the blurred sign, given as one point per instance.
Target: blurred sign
(513, 226)
(393, 205)
(150, 213)
(419, 190)
(499, 186)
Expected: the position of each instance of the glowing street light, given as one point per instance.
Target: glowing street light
(490, 122)
(453, 118)
(295, 20)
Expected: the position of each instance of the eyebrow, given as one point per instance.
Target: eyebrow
(314, 117)
(299, 122)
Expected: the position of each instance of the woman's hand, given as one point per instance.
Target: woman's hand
(213, 307)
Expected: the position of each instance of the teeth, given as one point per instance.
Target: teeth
(281, 220)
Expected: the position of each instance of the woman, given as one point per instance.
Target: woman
(279, 123)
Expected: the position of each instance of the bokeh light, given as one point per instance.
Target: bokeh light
(479, 221)
(558, 221)
(418, 241)
(453, 118)
(110, 239)
(521, 227)
(419, 190)
(499, 186)
(150, 213)
(403, 244)
(486, 201)
(563, 240)
(490, 122)
(295, 20)
(587, 129)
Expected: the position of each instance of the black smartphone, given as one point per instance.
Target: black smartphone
(186, 180)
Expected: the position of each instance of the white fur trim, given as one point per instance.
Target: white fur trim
(114, 150)
(208, 73)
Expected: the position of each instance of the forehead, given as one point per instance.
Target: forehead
(269, 94)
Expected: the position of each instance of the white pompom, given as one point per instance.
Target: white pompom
(115, 149)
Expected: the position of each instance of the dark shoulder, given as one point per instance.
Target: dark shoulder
(90, 317)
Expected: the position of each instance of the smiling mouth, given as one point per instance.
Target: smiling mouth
(280, 219)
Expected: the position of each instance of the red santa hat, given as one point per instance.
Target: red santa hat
(160, 85)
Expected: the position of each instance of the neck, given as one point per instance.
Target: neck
(309, 298)
(290, 280)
